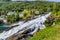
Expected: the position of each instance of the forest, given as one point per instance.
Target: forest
(42, 7)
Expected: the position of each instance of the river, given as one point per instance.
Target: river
(3, 27)
(33, 24)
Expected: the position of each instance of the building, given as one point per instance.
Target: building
(10, 13)
(21, 14)
(4, 20)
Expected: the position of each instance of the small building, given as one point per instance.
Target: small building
(10, 13)
(17, 0)
(36, 12)
(4, 20)
(21, 14)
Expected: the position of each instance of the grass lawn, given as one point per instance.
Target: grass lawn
(50, 33)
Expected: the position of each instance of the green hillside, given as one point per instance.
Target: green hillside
(50, 33)
(27, 8)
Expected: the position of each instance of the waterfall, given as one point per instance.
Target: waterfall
(37, 23)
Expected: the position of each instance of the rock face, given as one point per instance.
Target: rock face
(33, 25)
(50, 20)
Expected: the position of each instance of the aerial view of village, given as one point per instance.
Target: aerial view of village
(29, 19)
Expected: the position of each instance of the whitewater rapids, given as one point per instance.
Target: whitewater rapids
(37, 23)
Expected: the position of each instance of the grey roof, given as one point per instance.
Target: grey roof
(21, 14)
(10, 13)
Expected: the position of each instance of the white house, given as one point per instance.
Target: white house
(4, 20)
(17, 0)
(36, 12)
(10, 13)
(21, 14)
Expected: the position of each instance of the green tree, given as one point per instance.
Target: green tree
(17, 16)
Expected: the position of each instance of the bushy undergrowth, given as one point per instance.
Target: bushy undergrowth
(50, 33)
